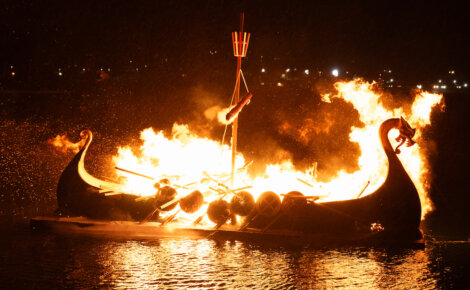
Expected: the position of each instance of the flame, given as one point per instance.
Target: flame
(216, 112)
(63, 144)
(185, 158)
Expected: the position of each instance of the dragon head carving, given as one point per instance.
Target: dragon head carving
(406, 135)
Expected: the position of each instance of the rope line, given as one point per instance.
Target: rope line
(243, 77)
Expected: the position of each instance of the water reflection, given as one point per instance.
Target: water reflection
(207, 263)
(362, 267)
(77, 261)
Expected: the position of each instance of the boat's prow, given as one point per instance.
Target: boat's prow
(80, 194)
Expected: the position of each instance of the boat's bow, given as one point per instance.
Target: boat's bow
(80, 193)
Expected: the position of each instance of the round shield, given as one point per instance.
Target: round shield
(192, 202)
(164, 195)
(219, 211)
(268, 204)
(294, 204)
(242, 203)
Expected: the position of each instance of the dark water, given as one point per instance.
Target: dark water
(43, 260)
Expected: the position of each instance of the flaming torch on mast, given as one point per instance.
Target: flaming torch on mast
(240, 42)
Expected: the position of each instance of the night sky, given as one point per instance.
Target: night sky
(418, 40)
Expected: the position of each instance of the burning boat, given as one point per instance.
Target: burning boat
(392, 212)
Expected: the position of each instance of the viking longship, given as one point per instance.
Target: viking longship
(392, 212)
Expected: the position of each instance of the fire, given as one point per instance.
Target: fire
(63, 144)
(189, 161)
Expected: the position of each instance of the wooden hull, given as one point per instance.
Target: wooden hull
(152, 230)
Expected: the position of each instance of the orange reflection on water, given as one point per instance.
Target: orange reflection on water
(203, 263)
(369, 268)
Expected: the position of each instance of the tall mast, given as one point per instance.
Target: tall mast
(240, 46)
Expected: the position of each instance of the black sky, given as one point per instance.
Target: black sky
(417, 39)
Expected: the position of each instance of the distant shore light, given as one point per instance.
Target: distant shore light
(335, 72)
(307, 72)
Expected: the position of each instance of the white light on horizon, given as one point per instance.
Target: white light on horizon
(307, 72)
(335, 72)
(419, 86)
(263, 70)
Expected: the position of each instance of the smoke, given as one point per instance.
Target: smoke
(282, 124)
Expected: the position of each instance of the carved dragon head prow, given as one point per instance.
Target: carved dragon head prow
(406, 135)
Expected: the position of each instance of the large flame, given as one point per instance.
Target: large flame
(187, 159)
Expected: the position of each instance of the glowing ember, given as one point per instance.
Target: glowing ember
(186, 159)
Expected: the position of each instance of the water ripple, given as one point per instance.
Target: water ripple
(47, 260)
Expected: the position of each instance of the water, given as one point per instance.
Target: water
(43, 260)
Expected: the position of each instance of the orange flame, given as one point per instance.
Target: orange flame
(63, 144)
(185, 158)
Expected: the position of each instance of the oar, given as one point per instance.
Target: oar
(199, 219)
(135, 173)
(216, 181)
(170, 218)
(304, 182)
(247, 222)
(160, 209)
(362, 191)
(111, 193)
(150, 215)
(271, 223)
